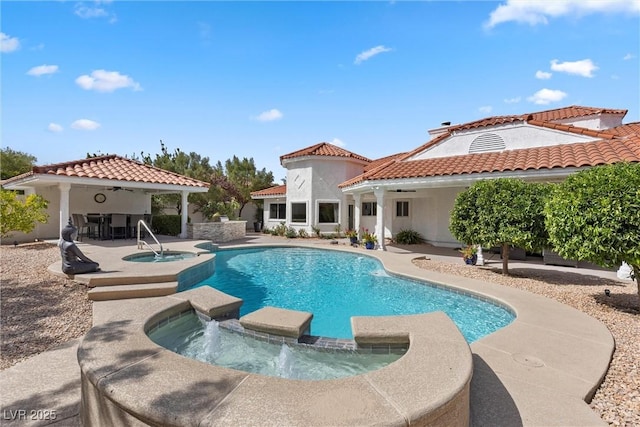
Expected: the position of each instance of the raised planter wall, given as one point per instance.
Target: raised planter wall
(218, 232)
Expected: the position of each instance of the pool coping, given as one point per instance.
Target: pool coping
(133, 381)
(539, 370)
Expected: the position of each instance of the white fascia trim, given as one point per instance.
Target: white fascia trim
(38, 180)
(285, 162)
(270, 196)
(461, 180)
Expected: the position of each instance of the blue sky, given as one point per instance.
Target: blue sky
(262, 79)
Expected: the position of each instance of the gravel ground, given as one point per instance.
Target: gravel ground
(39, 311)
(617, 401)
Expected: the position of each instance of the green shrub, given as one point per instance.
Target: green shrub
(167, 225)
(279, 230)
(409, 237)
(303, 233)
(291, 233)
(316, 231)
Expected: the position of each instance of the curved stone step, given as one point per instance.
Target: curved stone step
(104, 293)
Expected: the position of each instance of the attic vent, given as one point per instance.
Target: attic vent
(487, 142)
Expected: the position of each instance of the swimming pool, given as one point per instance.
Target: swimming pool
(335, 286)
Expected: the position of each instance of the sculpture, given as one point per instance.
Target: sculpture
(73, 260)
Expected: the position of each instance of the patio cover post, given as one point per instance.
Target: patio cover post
(65, 188)
(185, 215)
(357, 198)
(379, 193)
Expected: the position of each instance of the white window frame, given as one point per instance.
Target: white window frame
(337, 214)
(306, 212)
(408, 213)
(373, 211)
(278, 211)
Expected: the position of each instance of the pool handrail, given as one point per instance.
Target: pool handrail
(142, 243)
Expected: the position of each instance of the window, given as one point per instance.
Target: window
(277, 211)
(369, 209)
(328, 213)
(402, 208)
(298, 212)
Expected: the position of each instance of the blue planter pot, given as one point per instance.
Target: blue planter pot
(472, 260)
(369, 245)
(353, 240)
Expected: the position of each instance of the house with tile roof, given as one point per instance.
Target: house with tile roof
(101, 185)
(328, 186)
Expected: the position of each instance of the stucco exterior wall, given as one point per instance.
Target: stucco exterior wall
(314, 181)
(514, 136)
(605, 121)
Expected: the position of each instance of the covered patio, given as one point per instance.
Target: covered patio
(100, 187)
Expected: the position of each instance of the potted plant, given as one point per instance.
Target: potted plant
(369, 239)
(352, 235)
(469, 254)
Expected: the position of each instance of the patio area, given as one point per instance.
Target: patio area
(537, 371)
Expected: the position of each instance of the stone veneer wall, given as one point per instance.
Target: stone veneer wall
(218, 232)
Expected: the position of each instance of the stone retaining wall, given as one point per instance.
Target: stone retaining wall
(219, 232)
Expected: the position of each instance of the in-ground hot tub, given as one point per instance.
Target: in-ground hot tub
(167, 256)
(127, 379)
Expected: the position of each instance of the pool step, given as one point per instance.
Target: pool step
(113, 292)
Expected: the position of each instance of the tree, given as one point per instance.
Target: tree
(192, 165)
(241, 177)
(502, 212)
(18, 215)
(14, 163)
(594, 216)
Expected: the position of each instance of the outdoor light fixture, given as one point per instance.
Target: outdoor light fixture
(607, 292)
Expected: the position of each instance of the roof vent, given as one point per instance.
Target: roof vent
(487, 142)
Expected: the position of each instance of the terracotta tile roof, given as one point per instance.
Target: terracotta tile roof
(383, 160)
(541, 119)
(571, 112)
(573, 129)
(278, 190)
(559, 156)
(625, 130)
(113, 167)
(323, 149)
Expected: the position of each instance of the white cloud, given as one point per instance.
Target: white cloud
(54, 127)
(486, 109)
(270, 115)
(85, 124)
(41, 70)
(368, 54)
(628, 56)
(512, 100)
(534, 12)
(106, 81)
(547, 96)
(584, 68)
(543, 75)
(338, 142)
(8, 44)
(96, 10)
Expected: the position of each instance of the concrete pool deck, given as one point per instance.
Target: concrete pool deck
(537, 371)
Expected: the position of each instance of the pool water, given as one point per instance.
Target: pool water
(207, 342)
(166, 257)
(335, 286)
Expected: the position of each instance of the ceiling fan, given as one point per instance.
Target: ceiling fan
(119, 188)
